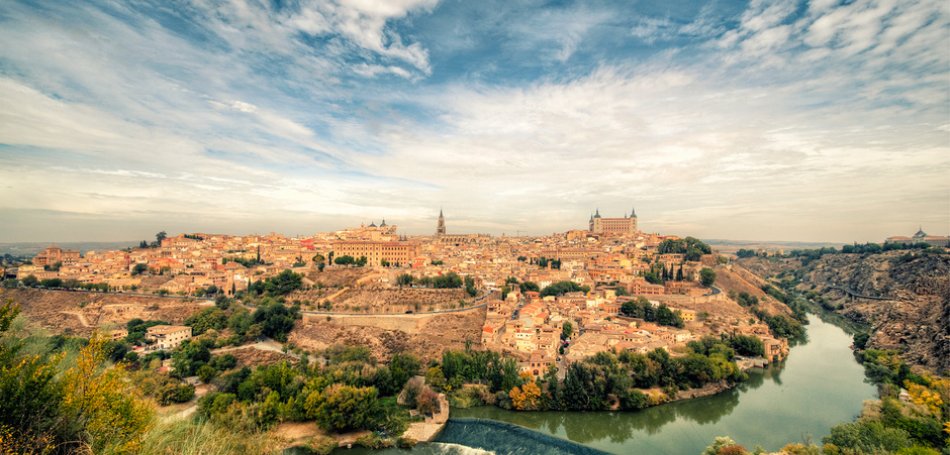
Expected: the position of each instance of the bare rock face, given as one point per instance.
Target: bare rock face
(902, 296)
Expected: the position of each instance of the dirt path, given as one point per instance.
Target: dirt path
(80, 315)
(337, 293)
(267, 345)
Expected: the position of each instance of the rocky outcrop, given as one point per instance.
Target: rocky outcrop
(902, 297)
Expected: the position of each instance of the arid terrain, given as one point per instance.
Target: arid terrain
(903, 297)
(424, 335)
(73, 312)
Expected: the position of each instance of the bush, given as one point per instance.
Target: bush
(175, 393)
(275, 319)
(867, 436)
(346, 408)
(563, 287)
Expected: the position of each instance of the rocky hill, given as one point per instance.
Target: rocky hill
(902, 297)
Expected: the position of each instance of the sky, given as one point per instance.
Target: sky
(812, 121)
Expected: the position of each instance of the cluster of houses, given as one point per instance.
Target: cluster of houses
(612, 262)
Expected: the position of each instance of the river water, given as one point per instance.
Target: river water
(819, 386)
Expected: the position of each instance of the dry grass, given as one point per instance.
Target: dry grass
(203, 438)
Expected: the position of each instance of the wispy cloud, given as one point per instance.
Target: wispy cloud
(773, 119)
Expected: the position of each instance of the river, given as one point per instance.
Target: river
(819, 386)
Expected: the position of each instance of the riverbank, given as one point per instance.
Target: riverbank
(818, 386)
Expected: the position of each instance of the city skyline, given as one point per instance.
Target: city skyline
(786, 121)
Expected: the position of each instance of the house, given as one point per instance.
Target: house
(168, 336)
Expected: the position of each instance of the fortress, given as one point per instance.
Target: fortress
(613, 226)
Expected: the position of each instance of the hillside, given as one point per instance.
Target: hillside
(902, 297)
(78, 313)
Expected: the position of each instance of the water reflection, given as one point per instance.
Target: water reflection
(620, 426)
(818, 386)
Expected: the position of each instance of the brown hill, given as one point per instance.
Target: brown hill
(79, 313)
(903, 297)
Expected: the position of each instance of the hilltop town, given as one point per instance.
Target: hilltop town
(546, 301)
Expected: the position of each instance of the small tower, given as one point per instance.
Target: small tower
(440, 228)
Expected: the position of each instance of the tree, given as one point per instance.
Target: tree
(563, 287)
(401, 367)
(207, 319)
(100, 400)
(630, 309)
(189, 357)
(344, 260)
(747, 345)
(275, 319)
(707, 276)
(346, 408)
(450, 280)
(868, 436)
(527, 397)
(529, 286)
(31, 281)
(470, 286)
(404, 279)
(567, 329)
(139, 269)
(159, 237)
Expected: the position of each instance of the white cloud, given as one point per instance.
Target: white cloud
(838, 116)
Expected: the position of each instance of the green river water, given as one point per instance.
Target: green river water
(820, 385)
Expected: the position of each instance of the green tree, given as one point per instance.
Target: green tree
(707, 276)
(404, 279)
(275, 319)
(567, 329)
(344, 260)
(158, 238)
(868, 436)
(529, 286)
(139, 269)
(470, 286)
(747, 345)
(563, 287)
(346, 408)
(190, 356)
(207, 319)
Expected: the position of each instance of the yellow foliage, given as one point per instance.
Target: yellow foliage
(98, 396)
(527, 397)
(924, 396)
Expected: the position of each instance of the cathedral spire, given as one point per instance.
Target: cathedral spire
(440, 227)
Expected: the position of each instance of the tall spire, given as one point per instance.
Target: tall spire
(633, 213)
(440, 227)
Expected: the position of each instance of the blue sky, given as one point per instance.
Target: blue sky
(818, 120)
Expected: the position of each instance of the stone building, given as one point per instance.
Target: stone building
(168, 336)
(921, 237)
(400, 252)
(55, 254)
(613, 226)
(440, 228)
